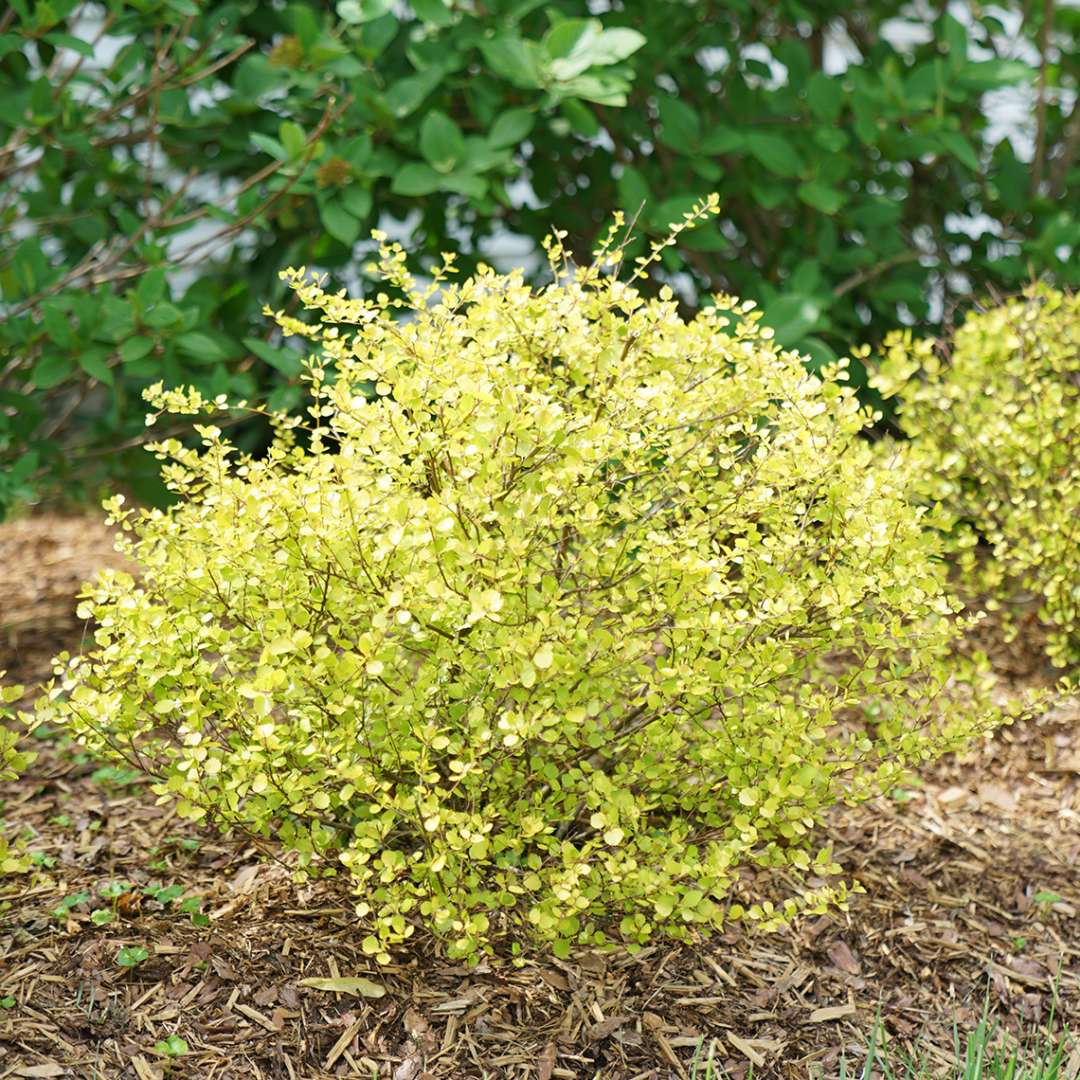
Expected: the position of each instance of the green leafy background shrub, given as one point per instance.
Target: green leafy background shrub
(161, 160)
(560, 611)
(994, 422)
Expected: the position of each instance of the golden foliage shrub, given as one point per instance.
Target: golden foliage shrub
(12, 759)
(994, 426)
(562, 615)
(13, 859)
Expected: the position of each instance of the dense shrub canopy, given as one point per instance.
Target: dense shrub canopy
(562, 609)
(994, 418)
(161, 160)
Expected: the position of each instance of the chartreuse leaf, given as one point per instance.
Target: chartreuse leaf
(291, 137)
(131, 956)
(171, 1047)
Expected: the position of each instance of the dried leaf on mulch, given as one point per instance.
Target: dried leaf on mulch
(345, 985)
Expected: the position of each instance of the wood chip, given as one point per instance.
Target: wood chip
(1073, 1066)
(244, 878)
(416, 1024)
(545, 1065)
(340, 1046)
(454, 1005)
(603, 1028)
(721, 973)
(254, 1014)
(997, 796)
(952, 795)
(833, 1012)
(746, 1049)
(1019, 976)
(669, 1053)
(410, 1065)
(144, 1070)
(655, 1025)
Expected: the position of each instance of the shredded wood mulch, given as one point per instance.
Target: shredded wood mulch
(972, 893)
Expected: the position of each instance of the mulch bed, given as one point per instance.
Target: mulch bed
(972, 879)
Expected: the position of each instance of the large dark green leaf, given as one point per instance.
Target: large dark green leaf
(680, 125)
(416, 179)
(822, 197)
(511, 127)
(339, 222)
(511, 57)
(362, 11)
(793, 317)
(825, 95)
(775, 152)
(441, 142)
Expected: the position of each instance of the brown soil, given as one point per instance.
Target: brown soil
(972, 890)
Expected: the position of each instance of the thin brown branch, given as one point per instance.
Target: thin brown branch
(869, 273)
(86, 266)
(216, 66)
(1070, 148)
(328, 116)
(1039, 160)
